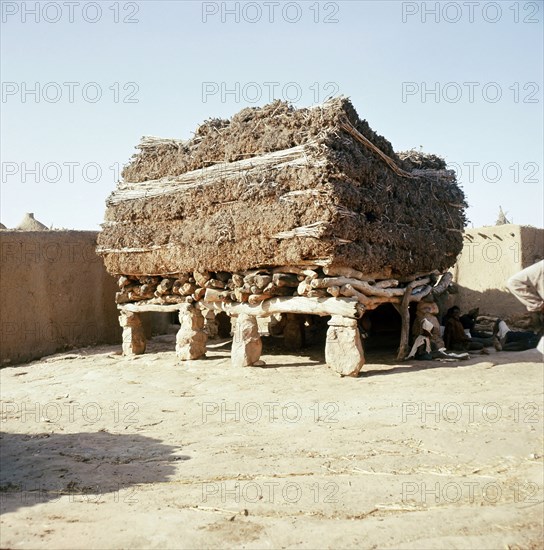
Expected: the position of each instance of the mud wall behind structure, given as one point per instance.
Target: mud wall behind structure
(55, 295)
(490, 256)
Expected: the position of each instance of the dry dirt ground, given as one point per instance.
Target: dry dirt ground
(104, 451)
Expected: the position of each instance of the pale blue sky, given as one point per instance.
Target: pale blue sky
(166, 58)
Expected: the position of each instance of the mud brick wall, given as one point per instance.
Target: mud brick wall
(55, 295)
(490, 256)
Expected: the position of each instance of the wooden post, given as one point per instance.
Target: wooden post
(343, 348)
(246, 344)
(405, 314)
(133, 333)
(293, 333)
(191, 338)
(211, 327)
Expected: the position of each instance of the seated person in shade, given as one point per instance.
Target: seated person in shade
(428, 311)
(468, 320)
(510, 340)
(428, 343)
(455, 337)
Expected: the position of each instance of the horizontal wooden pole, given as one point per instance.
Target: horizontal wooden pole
(141, 308)
(345, 307)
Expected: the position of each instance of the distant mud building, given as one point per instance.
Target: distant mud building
(490, 256)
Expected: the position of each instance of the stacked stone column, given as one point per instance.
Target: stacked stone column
(343, 348)
(191, 337)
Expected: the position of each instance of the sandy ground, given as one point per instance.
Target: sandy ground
(104, 451)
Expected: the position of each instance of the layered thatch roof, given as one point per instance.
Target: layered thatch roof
(282, 186)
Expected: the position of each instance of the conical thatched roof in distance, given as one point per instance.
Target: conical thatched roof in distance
(502, 219)
(29, 223)
(2, 226)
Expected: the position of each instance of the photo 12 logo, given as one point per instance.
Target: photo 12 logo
(258, 92)
(470, 412)
(271, 412)
(49, 252)
(69, 12)
(55, 172)
(495, 172)
(469, 492)
(55, 412)
(69, 92)
(34, 333)
(271, 492)
(471, 12)
(76, 491)
(471, 92)
(270, 12)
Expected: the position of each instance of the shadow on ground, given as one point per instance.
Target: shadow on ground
(88, 467)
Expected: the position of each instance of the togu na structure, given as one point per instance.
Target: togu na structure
(279, 211)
